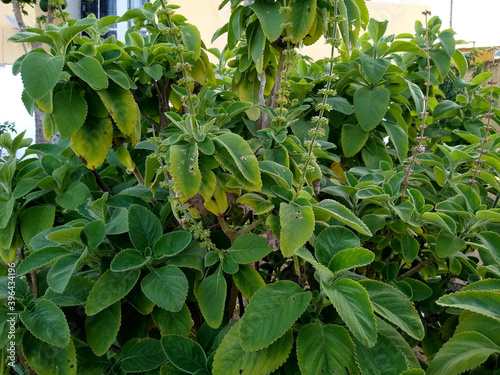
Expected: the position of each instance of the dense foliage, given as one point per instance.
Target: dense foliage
(263, 215)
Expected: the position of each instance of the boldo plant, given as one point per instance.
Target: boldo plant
(264, 214)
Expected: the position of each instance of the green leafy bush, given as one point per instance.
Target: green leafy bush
(263, 215)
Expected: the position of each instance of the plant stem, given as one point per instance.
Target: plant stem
(417, 268)
(100, 182)
(424, 114)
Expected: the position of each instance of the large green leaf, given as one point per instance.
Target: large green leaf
(93, 233)
(242, 156)
(184, 169)
(352, 138)
(184, 353)
(462, 352)
(460, 62)
(92, 142)
(323, 349)
(374, 68)
(256, 46)
(40, 73)
(491, 241)
(91, 71)
(248, 280)
(231, 359)
(69, 113)
(76, 292)
(394, 306)
(350, 258)
(343, 214)
(371, 106)
(144, 227)
(270, 18)
(211, 295)
(121, 106)
(399, 139)
(127, 260)
(410, 247)
(47, 322)
(173, 323)
(171, 243)
(446, 108)
(270, 313)
(332, 240)
(167, 287)
(140, 355)
(484, 302)
(249, 248)
(354, 307)
(390, 332)
(6, 208)
(101, 329)
(442, 61)
(192, 40)
(41, 258)
(297, 225)
(447, 244)
(60, 273)
(110, 288)
(48, 359)
(302, 16)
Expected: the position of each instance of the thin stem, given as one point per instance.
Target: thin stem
(100, 182)
(320, 119)
(424, 114)
(417, 268)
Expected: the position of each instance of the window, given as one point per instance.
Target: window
(101, 8)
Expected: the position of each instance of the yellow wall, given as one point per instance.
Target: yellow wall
(206, 16)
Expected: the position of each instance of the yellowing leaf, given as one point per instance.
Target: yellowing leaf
(121, 106)
(91, 143)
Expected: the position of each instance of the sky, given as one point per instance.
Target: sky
(474, 21)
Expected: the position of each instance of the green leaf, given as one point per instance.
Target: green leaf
(121, 106)
(48, 359)
(140, 355)
(167, 287)
(473, 349)
(484, 302)
(69, 113)
(447, 244)
(110, 288)
(460, 62)
(471, 321)
(446, 108)
(192, 257)
(185, 169)
(390, 332)
(402, 46)
(333, 240)
(323, 349)
(172, 243)
(40, 73)
(242, 156)
(41, 258)
(47, 322)
(442, 61)
(211, 296)
(376, 29)
(35, 220)
(256, 46)
(192, 40)
(90, 71)
(76, 292)
(249, 248)
(184, 353)
(297, 225)
(270, 313)
(270, 19)
(144, 227)
(343, 214)
(127, 260)
(410, 247)
(399, 139)
(371, 106)
(93, 234)
(92, 142)
(248, 280)
(448, 42)
(101, 329)
(394, 306)
(350, 258)
(417, 95)
(354, 307)
(258, 204)
(175, 323)
(302, 16)
(60, 273)
(491, 241)
(230, 358)
(152, 165)
(279, 172)
(352, 138)
(374, 68)
(65, 236)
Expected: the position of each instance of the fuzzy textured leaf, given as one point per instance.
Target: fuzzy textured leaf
(90, 71)
(249, 248)
(40, 73)
(184, 353)
(140, 355)
(167, 287)
(144, 227)
(121, 106)
(69, 112)
(270, 313)
(101, 329)
(343, 214)
(211, 297)
(484, 302)
(371, 106)
(297, 225)
(92, 142)
(185, 169)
